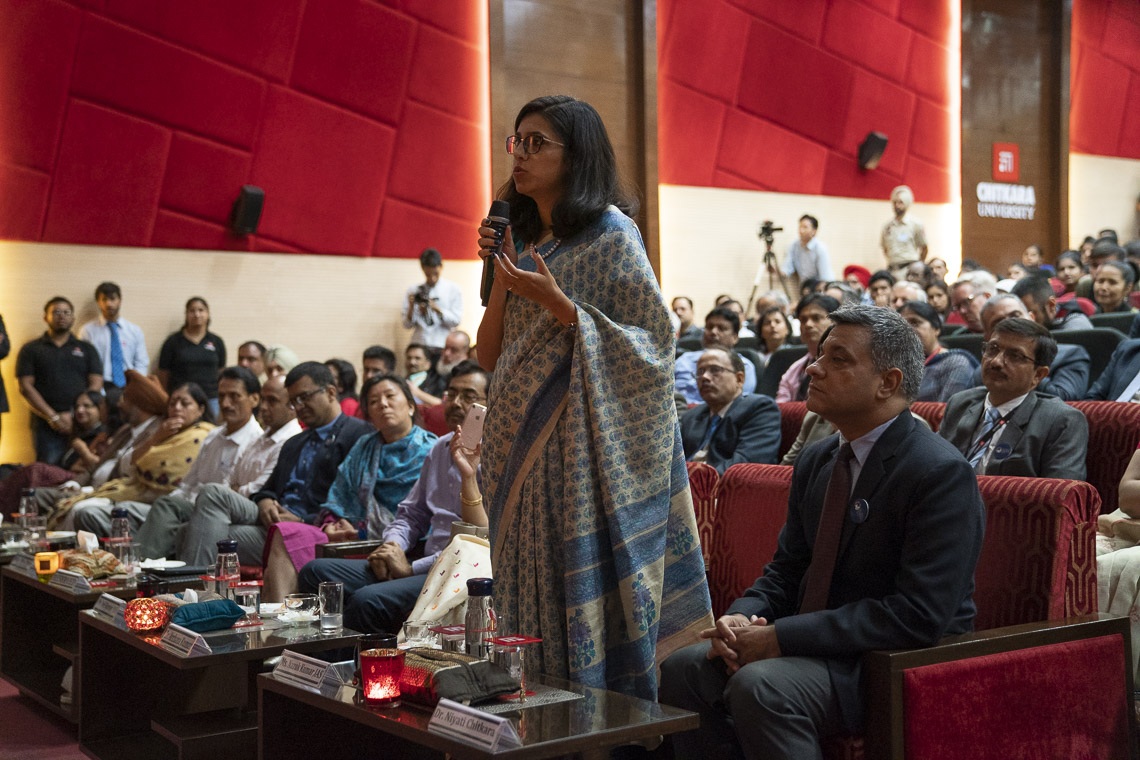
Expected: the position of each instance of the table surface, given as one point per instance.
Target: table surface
(599, 719)
(231, 645)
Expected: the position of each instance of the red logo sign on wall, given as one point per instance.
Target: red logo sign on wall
(1007, 162)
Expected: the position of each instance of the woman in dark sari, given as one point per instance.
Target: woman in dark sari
(593, 537)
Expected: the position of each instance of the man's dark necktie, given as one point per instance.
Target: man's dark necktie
(826, 548)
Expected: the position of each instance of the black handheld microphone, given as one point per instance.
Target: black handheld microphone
(497, 218)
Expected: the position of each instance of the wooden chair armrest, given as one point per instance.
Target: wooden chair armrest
(347, 549)
(883, 670)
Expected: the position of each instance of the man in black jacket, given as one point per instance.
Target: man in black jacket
(299, 482)
(731, 426)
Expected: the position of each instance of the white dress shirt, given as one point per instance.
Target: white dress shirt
(449, 299)
(98, 333)
(216, 458)
(256, 462)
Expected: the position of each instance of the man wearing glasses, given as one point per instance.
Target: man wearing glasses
(381, 590)
(1009, 427)
(300, 480)
(730, 426)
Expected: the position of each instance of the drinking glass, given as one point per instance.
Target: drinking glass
(301, 608)
(331, 596)
(418, 633)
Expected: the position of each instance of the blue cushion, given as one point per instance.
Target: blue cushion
(213, 615)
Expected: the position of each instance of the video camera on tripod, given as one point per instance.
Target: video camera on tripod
(766, 233)
(766, 230)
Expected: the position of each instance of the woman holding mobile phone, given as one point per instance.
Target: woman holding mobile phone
(580, 448)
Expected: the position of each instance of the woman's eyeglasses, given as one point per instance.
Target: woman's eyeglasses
(528, 145)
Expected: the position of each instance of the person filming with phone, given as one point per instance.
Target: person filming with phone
(580, 448)
(381, 590)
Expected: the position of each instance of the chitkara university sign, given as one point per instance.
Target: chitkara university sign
(1004, 198)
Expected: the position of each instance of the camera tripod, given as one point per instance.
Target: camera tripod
(768, 264)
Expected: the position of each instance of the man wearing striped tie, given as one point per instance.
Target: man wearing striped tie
(1008, 427)
(120, 343)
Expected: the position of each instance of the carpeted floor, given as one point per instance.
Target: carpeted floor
(28, 732)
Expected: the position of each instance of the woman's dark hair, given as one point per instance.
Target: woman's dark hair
(400, 383)
(1127, 273)
(591, 181)
(1074, 256)
(96, 398)
(763, 318)
(199, 397)
(346, 375)
(940, 285)
(202, 301)
(924, 310)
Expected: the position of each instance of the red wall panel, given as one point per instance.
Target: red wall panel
(1105, 78)
(813, 78)
(131, 122)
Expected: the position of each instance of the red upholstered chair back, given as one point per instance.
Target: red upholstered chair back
(751, 507)
(702, 485)
(434, 420)
(791, 419)
(931, 411)
(1038, 559)
(1114, 432)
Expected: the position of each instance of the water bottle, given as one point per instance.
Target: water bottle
(120, 530)
(227, 567)
(27, 501)
(480, 619)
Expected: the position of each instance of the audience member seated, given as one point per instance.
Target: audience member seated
(1113, 286)
(948, 370)
(683, 307)
(418, 361)
(738, 309)
(1008, 427)
(381, 590)
(280, 361)
(920, 274)
(89, 441)
(858, 278)
(969, 294)
(1120, 380)
(782, 669)
(160, 534)
(904, 291)
(344, 378)
(157, 465)
(370, 484)
(774, 330)
(1069, 272)
(193, 354)
(730, 426)
(879, 288)
(251, 355)
(456, 348)
(378, 360)
(1036, 293)
(1118, 555)
(812, 313)
(1103, 251)
(296, 488)
(1068, 377)
(842, 293)
(938, 296)
(722, 328)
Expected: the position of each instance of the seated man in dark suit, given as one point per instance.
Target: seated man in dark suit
(1068, 377)
(730, 426)
(1008, 427)
(1120, 380)
(884, 529)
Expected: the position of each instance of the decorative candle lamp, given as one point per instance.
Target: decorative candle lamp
(46, 565)
(381, 665)
(146, 614)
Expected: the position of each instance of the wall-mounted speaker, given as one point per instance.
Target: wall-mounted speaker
(246, 211)
(871, 150)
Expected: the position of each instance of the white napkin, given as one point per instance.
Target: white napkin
(87, 542)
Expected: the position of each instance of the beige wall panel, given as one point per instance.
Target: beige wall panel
(1102, 193)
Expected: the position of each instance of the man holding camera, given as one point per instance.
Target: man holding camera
(434, 308)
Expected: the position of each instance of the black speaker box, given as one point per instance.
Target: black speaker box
(871, 150)
(246, 212)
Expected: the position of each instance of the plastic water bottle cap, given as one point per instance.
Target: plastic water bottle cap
(479, 586)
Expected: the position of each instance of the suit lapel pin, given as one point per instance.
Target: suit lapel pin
(859, 511)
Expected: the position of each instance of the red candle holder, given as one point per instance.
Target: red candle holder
(381, 665)
(146, 614)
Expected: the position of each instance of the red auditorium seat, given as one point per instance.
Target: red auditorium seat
(434, 420)
(931, 411)
(1114, 432)
(791, 420)
(702, 485)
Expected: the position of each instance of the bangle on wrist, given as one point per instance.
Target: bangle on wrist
(476, 502)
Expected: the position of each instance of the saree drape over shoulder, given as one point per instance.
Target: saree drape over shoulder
(593, 537)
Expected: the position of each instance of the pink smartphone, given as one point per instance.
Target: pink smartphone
(473, 426)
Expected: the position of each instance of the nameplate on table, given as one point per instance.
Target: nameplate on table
(114, 608)
(306, 672)
(467, 724)
(24, 564)
(68, 580)
(184, 642)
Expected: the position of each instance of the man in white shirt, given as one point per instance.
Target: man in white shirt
(432, 309)
(807, 257)
(159, 535)
(120, 343)
(238, 396)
